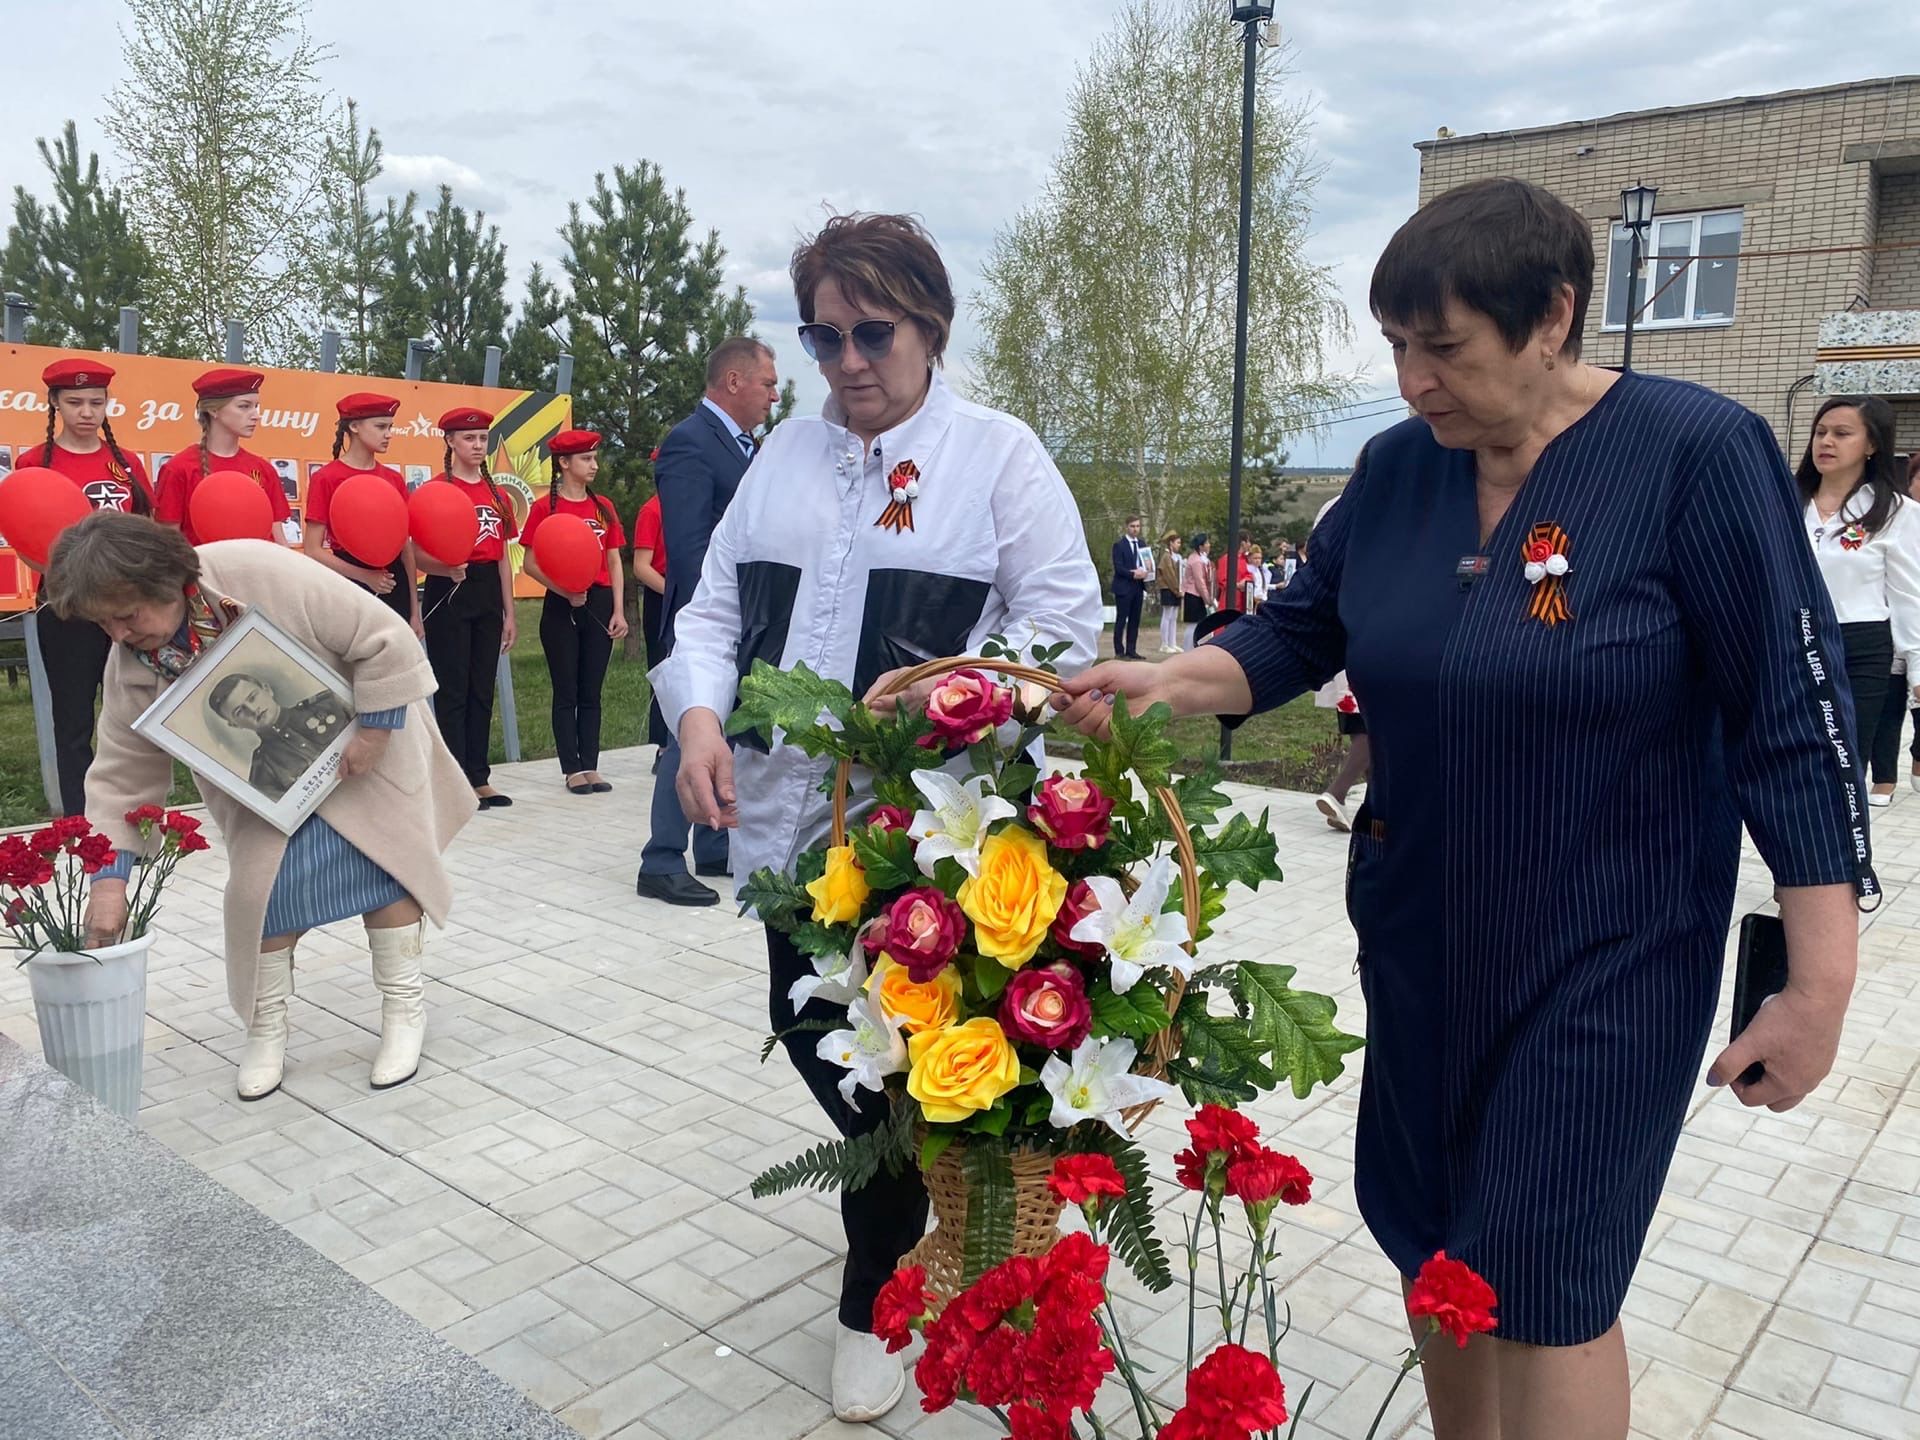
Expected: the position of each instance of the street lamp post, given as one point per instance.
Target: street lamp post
(1249, 17)
(1636, 213)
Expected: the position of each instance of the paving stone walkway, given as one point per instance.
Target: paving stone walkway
(562, 1193)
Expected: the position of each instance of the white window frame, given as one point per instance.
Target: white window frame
(1685, 320)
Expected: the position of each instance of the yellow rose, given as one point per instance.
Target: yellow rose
(961, 1070)
(928, 1006)
(1015, 898)
(841, 891)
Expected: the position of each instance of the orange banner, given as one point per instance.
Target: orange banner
(151, 411)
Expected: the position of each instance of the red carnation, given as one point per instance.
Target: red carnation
(994, 1368)
(1214, 1127)
(179, 822)
(1009, 1284)
(902, 1303)
(71, 827)
(1232, 1393)
(1064, 1359)
(1048, 1006)
(1084, 1179)
(1190, 1169)
(46, 842)
(146, 815)
(922, 931)
(16, 911)
(1079, 904)
(1453, 1298)
(1259, 1176)
(1029, 1422)
(1072, 813)
(190, 841)
(964, 709)
(889, 817)
(95, 853)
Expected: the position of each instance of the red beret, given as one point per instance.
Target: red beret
(574, 442)
(225, 384)
(465, 418)
(75, 374)
(365, 405)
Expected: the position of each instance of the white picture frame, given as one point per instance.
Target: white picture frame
(279, 762)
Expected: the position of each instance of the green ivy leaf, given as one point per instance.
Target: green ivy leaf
(1200, 796)
(778, 900)
(789, 701)
(1202, 1084)
(990, 977)
(1221, 1046)
(1241, 850)
(992, 1122)
(1295, 1027)
(1017, 781)
(1140, 1013)
(1213, 904)
(887, 857)
(825, 942)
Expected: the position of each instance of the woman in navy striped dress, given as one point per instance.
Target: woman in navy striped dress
(1589, 639)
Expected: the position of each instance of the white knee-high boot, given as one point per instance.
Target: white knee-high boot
(264, 1061)
(403, 1009)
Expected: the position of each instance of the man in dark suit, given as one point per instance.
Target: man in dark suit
(699, 467)
(1132, 568)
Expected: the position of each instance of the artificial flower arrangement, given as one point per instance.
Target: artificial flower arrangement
(44, 877)
(1014, 954)
(1033, 1339)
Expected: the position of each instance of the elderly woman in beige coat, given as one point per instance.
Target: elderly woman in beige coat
(373, 846)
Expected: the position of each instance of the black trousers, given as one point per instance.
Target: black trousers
(75, 654)
(578, 649)
(652, 621)
(1869, 651)
(464, 624)
(1886, 740)
(1126, 620)
(400, 598)
(885, 1218)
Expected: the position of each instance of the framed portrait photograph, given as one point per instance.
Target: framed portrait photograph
(261, 718)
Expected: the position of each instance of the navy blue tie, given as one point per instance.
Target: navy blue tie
(746, 443)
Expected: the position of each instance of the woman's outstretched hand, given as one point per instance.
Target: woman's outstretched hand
(1086, 701)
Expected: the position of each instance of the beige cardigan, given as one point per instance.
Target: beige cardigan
(401, 815)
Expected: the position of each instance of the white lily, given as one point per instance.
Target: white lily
(871, 1049)
(957, 825)
(837, 979)
(1137, 934)
(1098, 1083)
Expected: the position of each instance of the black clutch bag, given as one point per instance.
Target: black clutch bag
(1760, 972)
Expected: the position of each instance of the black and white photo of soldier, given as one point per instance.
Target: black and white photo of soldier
(289, 738)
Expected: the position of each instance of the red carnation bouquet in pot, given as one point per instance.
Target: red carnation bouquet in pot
(90, 1003)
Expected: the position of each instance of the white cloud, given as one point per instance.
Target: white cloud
(425, 174)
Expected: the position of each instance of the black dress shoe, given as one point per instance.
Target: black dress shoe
(584, 787)
(495, 802)
(680, 889)
(713, 868)
(601, 787)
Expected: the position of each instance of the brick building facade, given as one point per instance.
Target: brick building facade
(1826, 174)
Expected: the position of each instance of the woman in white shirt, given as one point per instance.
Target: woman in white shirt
(809, 564)
(1866, 539)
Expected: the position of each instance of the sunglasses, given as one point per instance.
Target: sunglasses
(824, 344)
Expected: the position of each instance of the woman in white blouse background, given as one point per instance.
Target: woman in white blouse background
(802, 569)
(1866, 538)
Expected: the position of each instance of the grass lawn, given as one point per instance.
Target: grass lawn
(1292, 748)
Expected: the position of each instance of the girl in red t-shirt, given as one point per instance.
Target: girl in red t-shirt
(467, 609)
(74, 652)
(364, 432)
(577, 629)
(227, 405)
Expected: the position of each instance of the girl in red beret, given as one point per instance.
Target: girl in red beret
(74, 652)
(468, 608)
(364, 432)
(578, 628)
(227, 405)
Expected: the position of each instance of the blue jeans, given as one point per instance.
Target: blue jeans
(666, 852)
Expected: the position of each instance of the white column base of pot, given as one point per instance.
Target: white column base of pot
(92, 1011)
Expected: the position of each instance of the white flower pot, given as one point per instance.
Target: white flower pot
(92, 1010)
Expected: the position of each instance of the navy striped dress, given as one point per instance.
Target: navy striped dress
(1542, 877)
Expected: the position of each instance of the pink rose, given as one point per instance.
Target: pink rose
(922, 931)
(1047, 1006)
(965, 708)
(1079, 904)
(1072, 813)
(889, 817)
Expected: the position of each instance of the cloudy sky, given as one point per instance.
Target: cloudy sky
(771, 113)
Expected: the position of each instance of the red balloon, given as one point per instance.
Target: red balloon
(230, 505)
(369, 519)
(443, 522)
(36, 504)
(568, 552)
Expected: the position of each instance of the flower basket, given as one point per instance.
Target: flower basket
(942, 1252)
(92, 1012)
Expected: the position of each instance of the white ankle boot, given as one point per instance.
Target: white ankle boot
(403, 1010)
(867, 1381)
(263, 1063)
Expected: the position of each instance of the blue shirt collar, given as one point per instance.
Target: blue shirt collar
(725, 419)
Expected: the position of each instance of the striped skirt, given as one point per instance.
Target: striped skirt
(323, 879)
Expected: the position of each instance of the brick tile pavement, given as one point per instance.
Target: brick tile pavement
(562, 1191)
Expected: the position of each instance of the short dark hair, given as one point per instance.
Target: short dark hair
(222, 692)
(1199, 539)
(108, 556)
(735, 353)
(1133, 519)
(887, 260)
(1501, 246)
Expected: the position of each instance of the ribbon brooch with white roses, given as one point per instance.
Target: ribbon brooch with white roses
(1545, 552)
(903, 488)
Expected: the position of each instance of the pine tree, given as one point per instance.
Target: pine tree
(356, 260)
(458, 267)
(535, 341)
(78, 257)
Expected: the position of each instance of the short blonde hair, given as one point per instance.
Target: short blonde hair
(887, 260)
